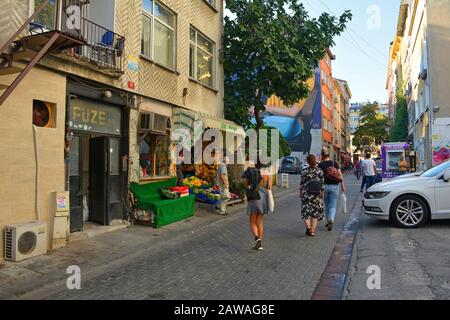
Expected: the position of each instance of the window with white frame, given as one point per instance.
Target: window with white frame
(201, 58)
(158, 40)
(46, 19)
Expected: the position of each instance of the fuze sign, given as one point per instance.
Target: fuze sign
(95, 117)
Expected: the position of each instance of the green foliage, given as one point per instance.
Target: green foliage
(272, 47)
(372, 130)
(399, 130)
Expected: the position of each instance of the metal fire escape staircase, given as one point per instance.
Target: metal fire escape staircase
(19, 55)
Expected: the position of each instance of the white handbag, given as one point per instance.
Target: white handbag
(270, 201)
(344, 203)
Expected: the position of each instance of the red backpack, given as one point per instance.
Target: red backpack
(334, 174)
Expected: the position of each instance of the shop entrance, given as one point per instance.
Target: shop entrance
(95, 181)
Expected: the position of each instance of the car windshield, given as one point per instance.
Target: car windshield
(433, 172)
(288, 161)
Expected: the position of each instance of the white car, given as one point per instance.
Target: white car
(411, 202)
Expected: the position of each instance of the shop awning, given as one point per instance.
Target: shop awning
(185, 119)
(213, 122)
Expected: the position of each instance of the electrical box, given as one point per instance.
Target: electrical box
(61, 202)
(61, 219)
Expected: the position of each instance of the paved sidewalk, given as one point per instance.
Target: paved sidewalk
(206, 257)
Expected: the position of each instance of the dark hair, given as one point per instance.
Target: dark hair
(312, 161)
(325, 152)
(368, 155)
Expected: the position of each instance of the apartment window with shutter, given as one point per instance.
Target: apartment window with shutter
(201, 58)
(158, 38)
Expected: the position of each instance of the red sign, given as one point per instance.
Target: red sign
(131, 85)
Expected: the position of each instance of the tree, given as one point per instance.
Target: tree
(372, 130)
(399, 130)
(271, 48)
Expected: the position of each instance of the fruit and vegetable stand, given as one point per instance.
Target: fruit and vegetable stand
(207, 192)
(203, 190)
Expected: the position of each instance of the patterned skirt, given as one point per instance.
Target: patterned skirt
(312, 207)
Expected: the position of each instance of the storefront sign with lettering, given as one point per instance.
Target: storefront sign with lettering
(91, 116)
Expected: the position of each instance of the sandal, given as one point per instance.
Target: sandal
(308, 231)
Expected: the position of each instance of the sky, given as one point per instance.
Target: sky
(362, 51)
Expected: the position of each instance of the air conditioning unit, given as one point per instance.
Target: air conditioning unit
(154, 122)
(160, 123)
(26, 240)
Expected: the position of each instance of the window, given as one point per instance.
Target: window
(45, 20)
(154, 145)
(158, 33)
(154, 155)
(201, 58)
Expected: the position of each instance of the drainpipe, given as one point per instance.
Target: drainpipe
(36, 155)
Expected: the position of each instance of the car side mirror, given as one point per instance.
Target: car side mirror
(447, 176)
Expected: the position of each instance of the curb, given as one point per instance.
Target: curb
(332, 282)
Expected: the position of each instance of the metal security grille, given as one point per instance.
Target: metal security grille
(8, 244)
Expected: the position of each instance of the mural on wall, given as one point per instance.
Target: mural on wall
(300, 124)
(441, 141)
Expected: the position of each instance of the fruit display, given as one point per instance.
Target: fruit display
(207, 172)
(169, 194)
(194, 182)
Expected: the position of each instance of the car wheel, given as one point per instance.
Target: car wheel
(409, 211)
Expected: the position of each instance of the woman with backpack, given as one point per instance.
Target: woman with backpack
(311, 193)
(333, 178)
(257, 203)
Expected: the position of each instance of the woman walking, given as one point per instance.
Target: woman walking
(311, 193)
(257, 206)
(333, 178)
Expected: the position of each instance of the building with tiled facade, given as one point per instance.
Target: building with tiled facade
(130, 73)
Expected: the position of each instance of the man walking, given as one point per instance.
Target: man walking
(369, 171)
(222, 183)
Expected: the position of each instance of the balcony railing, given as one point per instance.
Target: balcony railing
(102, 46)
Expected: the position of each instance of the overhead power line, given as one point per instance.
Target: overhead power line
(355, 33)
(353, 42)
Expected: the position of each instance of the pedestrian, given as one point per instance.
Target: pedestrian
(311, 193)
(357, 167)
(179, 167)
(369, 168)
(333, 178)
(403, 165)
(257, 204)
(222, 182)
(363, 182)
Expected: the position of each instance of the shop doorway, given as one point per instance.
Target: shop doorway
(94, 180)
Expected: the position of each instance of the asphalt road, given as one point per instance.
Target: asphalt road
(413, 263)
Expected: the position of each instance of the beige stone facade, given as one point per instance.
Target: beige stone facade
(18, 163)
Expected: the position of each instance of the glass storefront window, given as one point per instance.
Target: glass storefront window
(154, 155)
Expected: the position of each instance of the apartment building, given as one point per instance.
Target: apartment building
(342, 96)
(90, 92)
(418, 68)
